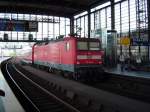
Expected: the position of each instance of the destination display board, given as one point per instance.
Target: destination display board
(142, 41)
(18, 25)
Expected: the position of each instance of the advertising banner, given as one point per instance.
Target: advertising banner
(18, 25)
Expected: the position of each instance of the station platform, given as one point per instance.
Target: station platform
(133, 73)
(9, 102)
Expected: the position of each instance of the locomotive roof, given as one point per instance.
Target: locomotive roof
(67, 38)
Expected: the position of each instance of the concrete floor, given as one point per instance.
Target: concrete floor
(118, 71)
(8, 103)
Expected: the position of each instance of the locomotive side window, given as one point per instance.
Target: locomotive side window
(94, 46)
(67, 46)
(82, 45)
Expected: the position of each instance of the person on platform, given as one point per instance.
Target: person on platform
(138, 61)
(122, 61)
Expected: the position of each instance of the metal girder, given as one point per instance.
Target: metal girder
(54, 8)
(95, 3)
(51, 7)
(148, 10)
(59, 3)
(27, 10)
(23, 40)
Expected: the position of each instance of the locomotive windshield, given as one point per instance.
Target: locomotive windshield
(82, 45)
(94, 46)
(88, 45)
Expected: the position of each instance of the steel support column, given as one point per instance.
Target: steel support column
(112, 15)
(72, 25)
(148, 12)
(89, 23)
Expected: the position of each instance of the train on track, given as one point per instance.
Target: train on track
(78, 58)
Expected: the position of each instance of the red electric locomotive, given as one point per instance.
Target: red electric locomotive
(80, 58)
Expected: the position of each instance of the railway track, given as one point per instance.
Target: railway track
(99, 100)
(132, 87)
(40, 99)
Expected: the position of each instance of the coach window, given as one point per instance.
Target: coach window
(67, 46)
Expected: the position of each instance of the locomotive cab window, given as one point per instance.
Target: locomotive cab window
(82, 45)
(94, 46)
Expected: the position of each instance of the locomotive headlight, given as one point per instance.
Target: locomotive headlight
(96, 57)
(81, 56)
(78, 62)
(100, 62)
(88, 56)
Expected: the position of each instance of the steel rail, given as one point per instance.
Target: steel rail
(46, 91)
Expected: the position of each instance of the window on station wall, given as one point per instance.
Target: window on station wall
(33, 35)
(108, 18)
(45, 30)
(7, 15)
(39, 33)
(2, 15)
(92, 21)
(125, 16)
(8, 33)
(67, 26)
(14, 16)
(132, 15)
(81, 14)
(20, 36)
(103, 18)
(117, 18)
(46, 27)
(26, 16)
(146, 12)
(14, 35)
(75, 26)
(50, 28)
(33, 17)
(62, 26)
(78, 26)
(82, 27)
(20, 16)
(56, 26)
(86, 27)
(1, 34)
(97, 22)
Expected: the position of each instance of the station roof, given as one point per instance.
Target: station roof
(65, 8)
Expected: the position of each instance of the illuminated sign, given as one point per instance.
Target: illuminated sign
(18, 25)
(125, 41)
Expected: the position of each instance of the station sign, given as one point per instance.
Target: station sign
(125, 41)
(143, 40)
(140, 41)
(18, 25)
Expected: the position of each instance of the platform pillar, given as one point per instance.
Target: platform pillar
(112, 15)
(89, 23)
(148, 10)
(72, 25)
